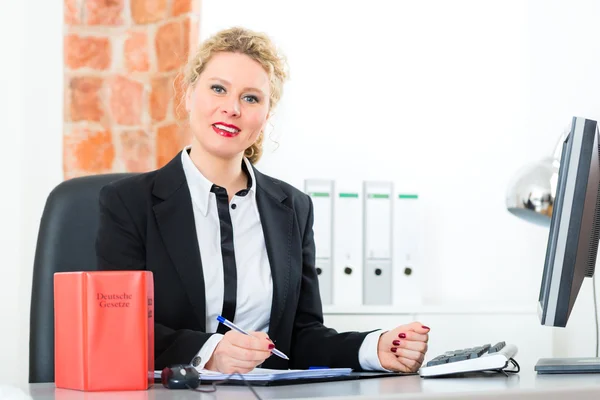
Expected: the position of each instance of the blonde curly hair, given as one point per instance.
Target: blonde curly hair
(255, 45)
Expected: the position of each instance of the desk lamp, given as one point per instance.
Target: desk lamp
(531, 194)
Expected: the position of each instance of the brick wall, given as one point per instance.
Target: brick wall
(123, 59)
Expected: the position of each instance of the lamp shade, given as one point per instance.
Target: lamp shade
(531, 195)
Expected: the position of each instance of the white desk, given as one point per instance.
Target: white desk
(525, 385)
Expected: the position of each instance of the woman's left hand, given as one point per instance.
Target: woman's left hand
(403, 348)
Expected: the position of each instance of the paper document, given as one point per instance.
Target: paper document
(263, 374)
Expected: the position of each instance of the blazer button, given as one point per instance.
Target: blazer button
(196, 361)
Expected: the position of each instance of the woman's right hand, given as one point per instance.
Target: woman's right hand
(241, 353)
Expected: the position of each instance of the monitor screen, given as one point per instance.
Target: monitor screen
(574, 227)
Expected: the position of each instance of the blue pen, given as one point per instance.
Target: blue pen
(231, 325)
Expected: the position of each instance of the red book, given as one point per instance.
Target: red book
(104, 330)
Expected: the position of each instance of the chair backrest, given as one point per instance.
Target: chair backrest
(66, 242)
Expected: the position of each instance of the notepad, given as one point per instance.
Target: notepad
(264, 374)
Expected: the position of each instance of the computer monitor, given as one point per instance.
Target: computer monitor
(574, 228)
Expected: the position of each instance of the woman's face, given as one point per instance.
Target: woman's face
(229, 105)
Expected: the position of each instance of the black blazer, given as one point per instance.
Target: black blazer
(147, 223)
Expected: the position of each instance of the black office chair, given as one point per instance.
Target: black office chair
(66, 242)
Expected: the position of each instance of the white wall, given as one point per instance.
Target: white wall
(11, 77)
(433, 95)
(31, 112)
(448, 99)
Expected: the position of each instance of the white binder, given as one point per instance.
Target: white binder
(377, 266)
(321, 193)
(348, 243)
(408, 240)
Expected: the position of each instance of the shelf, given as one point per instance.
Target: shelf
(430, 309)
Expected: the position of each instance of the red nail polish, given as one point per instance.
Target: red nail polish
(394, 349)
(425, 327)
(402, 335)
(271, 346)
(396, 343)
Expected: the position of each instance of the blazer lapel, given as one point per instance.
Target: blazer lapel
(175, 219)
(277, 221)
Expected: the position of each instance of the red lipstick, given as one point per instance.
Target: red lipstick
(226, 130)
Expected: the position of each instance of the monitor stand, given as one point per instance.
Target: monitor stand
(573, 365)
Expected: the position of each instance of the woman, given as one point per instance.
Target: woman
(223, 239)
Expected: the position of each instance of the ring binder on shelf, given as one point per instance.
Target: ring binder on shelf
(408, 227)
(378, 243)
(321, 193)
(348, 243)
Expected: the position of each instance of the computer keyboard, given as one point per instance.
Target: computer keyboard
(479, 358)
